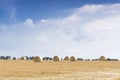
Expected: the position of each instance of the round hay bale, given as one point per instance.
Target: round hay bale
(72, 58)
(56, 58)
(102, 58)
(37, 59)
(23, 58)
(67, 58)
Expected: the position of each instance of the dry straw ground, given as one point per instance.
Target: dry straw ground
(61, 70)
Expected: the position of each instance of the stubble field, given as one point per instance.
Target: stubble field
(63, 70)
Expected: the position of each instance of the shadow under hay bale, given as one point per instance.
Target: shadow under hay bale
(72, 58)
(37, 59)
(102, 58)
(67, 58)
(56, 58)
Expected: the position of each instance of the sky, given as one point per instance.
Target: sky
(81, 28)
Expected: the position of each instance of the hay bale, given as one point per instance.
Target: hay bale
(72, 58)
(102, 58)
(67, 58)
(23, 58)
(56, 58)
(37, 59)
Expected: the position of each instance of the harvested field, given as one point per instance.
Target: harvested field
(62, 70)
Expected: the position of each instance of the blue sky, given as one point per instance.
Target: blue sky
(18, 10)
(83, 28)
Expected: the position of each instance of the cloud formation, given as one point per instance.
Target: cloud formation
(89, 31)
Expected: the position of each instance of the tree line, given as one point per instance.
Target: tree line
(49, 58)
(14, 58)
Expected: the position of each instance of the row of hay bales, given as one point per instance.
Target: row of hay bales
(57, 58)
(72, 58)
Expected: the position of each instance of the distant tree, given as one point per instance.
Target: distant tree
(87, 59)
(8, 57)
(2, 57)
(108, 59)
(80, 59)
(61, 59)
(47, 58)
(115, 60)
(31, 58)
(95, 59)
(14, 58)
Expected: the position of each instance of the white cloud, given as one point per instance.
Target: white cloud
(29, 23)
(90, 31)
(3, 28)
(43, 20)
(91, 8)
(42, 37)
